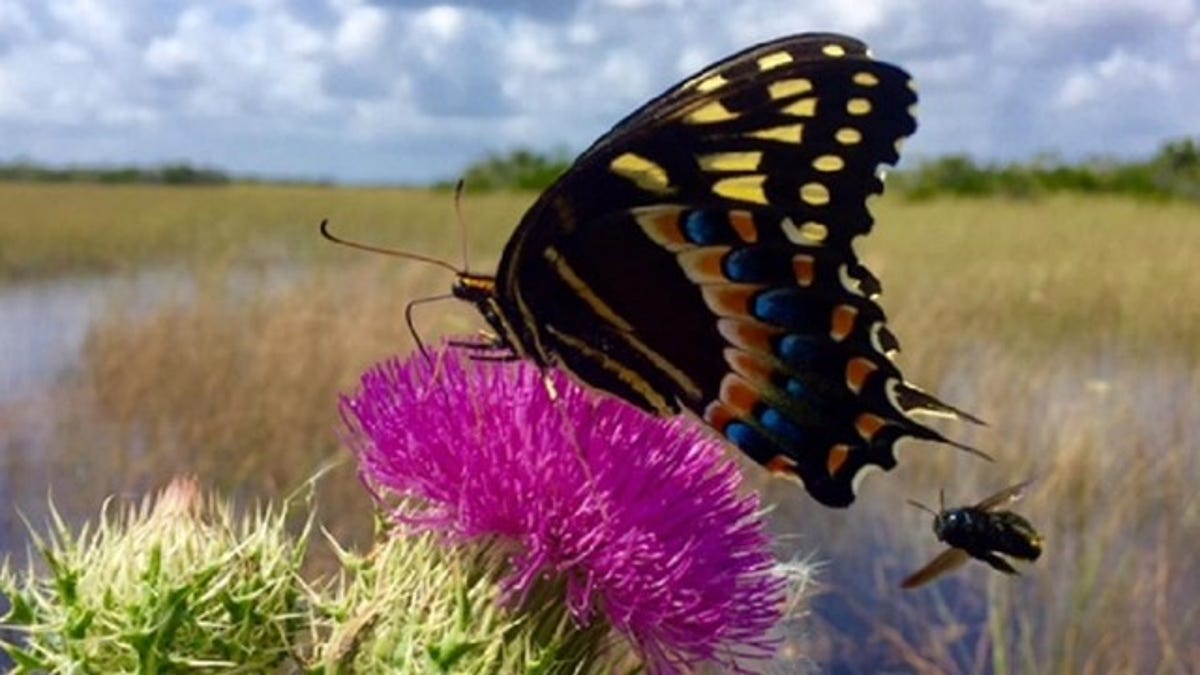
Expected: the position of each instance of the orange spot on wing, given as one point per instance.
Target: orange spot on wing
(838, 455)
(738, 395)
(780, 464)
(868, 425)
(703, 265)
(662, 225)
(718, 416)
(857, 371)
(748, 335)
(743, 223)
(729, 299)
(843, 321)
(804, 267)
(749, 366)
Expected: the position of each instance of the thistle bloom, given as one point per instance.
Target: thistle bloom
(639, 519)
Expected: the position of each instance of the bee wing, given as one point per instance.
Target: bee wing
(948, 560)
(1005, 496)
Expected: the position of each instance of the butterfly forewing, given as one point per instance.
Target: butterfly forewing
(699, 257)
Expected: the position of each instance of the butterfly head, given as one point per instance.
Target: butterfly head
(476, 289)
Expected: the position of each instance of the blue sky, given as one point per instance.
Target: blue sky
(412, 91)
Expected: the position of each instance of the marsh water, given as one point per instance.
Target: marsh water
(43, 328)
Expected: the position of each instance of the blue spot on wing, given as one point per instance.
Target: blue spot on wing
(795, 388)
(748, 265)
(750, 441)
(707, 227)
(799, 350)
(786, 307)
(780, 425)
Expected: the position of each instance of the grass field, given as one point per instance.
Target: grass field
(1070, 325)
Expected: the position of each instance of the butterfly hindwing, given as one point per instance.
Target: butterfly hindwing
(698, 257)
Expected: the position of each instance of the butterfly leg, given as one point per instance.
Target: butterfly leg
(484, 348)
(483, 340)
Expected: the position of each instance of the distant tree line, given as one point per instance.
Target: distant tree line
(179, 173)
(1172, 172)
(521, 169)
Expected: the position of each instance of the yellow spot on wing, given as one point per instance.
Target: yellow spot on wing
(848, 136)
(730, 161)
(828, 163)
(811, 232)
(713, 111)
(790, 87)
(833, 50)
(814, 194)
(865, 79)
(774, 60)
(742, 188)
(788, 133)
(710, 83)
(643, 172)
(858, 106)
(805, 107)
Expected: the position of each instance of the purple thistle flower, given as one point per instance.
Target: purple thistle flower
(640, 517)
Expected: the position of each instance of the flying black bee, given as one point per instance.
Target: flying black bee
(979, 531)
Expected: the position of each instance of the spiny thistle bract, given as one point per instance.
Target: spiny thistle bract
(177, 584)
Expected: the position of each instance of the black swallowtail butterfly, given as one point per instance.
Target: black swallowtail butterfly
(698, 257)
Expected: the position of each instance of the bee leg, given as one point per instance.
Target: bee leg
(996, 562)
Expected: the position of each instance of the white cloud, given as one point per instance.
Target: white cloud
(372, 89)
(1119, 77)
(90, 22)
(443, 23)
(360, 33)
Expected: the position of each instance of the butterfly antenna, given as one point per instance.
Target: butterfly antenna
(385, 251)
(942, 498)
(412, 328)
(921, 506)
(462, 222)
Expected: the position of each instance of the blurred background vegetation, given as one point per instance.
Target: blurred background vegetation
(201, 325)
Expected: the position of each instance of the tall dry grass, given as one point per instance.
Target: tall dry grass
(57, 229)
(1070, 325)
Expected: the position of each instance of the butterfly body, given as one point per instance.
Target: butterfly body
(697, 258)
(982, 531)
